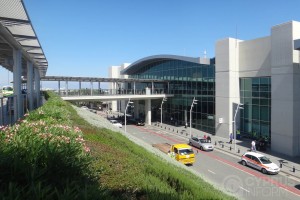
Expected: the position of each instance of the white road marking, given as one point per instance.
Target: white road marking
(211, 172)
(244, 189)
(234, 167)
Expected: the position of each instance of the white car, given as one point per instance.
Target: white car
(260, 162)
(201, 143)
(116, 123)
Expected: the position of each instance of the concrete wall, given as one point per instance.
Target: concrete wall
(285, 89)
(268, 56)
(227, 84)
(255, 58)
(114, 72)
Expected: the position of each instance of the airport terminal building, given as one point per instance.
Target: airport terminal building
(255, 83)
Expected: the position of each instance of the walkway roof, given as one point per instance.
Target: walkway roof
(96, 79)
(16, 31)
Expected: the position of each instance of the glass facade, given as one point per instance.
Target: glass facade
(186, 81)
(255, 118)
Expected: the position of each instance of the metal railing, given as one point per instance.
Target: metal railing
(108, 92)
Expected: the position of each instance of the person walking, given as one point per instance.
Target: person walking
(208, 139)
(230, 138)
(253, 147)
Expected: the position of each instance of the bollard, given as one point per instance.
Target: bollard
(294, 169)
(177, 131)
(222, 145)
(165, 127)
(280, 165)
(197, 151)
(215, 143)
(230, 148)
(239, 151)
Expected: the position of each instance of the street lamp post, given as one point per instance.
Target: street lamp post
(193, 103)
(162, 102)
(239, 106)
(127, 105)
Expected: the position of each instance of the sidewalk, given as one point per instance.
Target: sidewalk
(289, 165)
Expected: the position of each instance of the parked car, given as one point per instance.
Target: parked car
(84, 107)
(260, 162)
(116, 123)
(261, 144)
(140, 122)
(202, 144)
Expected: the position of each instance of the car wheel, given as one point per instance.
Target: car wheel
(201, 148)
(244, 163)
(264, 171)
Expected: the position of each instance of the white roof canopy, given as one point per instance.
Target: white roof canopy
(16, 31)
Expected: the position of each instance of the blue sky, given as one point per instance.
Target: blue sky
(84, 38)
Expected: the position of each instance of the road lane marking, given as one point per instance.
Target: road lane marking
(211, 172)
(244, 189)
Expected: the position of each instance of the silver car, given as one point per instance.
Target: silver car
(202, 144)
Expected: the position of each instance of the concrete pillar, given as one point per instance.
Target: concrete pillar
(136, 109)
(79, 88)
(133, 87)
(17, 72)
(148, 111)
(67, 88)
(99, 88)
(59, 87)
(114, 104)
(152, 87)
(37, 86)
(91, 88)
(30, 85)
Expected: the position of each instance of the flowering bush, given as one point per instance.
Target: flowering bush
(43, 150)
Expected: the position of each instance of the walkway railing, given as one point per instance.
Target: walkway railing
(104, 92)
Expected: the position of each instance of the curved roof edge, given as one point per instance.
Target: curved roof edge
(144, 61)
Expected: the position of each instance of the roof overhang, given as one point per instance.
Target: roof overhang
(134, 67)
(17, 32)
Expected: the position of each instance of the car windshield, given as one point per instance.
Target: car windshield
(204, 141)
(265, 160)
(185, 151)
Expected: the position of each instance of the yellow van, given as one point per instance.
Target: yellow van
(183, 153)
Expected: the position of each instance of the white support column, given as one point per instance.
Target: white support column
(37, 86)
(91, 88)
(148, 111)
(67, 89)
(17, 72)
(133, 87)
(136, 109)
(152, 87)
(79, 92)
(99, 88)
(58, 87)
(30, 84)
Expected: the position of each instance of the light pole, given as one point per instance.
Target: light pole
(162, 102)
(239, 106)
(193, 103)
(127, 105)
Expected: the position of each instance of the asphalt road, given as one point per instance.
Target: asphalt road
(225, 171)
